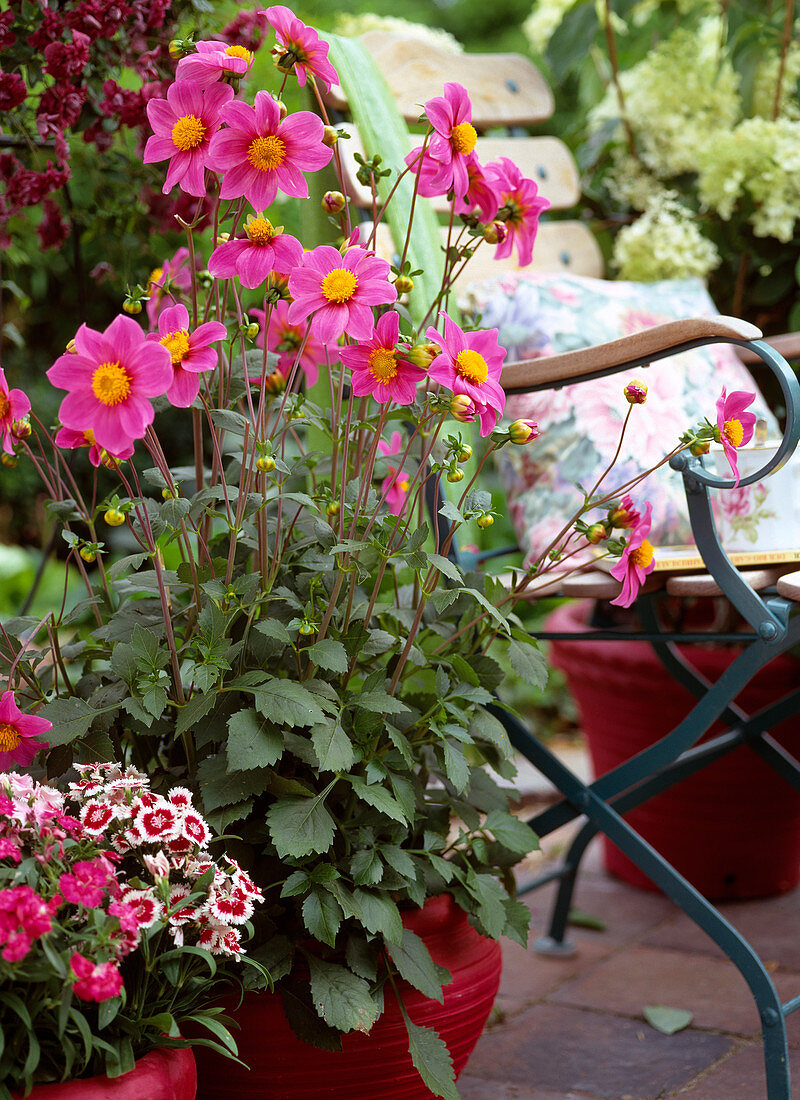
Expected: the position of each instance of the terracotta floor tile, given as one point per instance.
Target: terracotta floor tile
(739, 1077)
(566, 1050)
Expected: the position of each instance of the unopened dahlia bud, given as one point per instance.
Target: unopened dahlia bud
(265, 464)
(252, 330)
(71, 349)
(636, 392)
(495, 232)
(275, 383)
(423, 355)
(330, 136)
(333, 202)
(462, 408)
(180, 47)
(485, 519)
(21, 429)
(114, 517)
(701, 447)
(596, 533)
(132, 306)
(455, 475)
(465, 454)
(404, 284)
(9, 460)
(523, 431)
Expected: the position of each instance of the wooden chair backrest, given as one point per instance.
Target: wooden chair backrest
(506, 91)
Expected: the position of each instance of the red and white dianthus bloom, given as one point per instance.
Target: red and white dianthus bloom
(111, 380)
(338, 291)
(183, 125)
(96, 816)
(470, 364)
(378, 366)
(212, 61)
(259, 155)
(145, 906)
(159, 821)
(190, 351)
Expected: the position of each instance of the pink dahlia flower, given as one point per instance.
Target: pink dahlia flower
(110, 381)
(625, 515)
(18, 733)
(521, 205)
(483, 191)
(183, 125)
(469, 364)
(378, 368)
(286, 340)
(71, 440)
(261, 250)
(173, 275)
(299, 47)
(451, 145)
(14, 404)
(95, 981)
(340, 291)
(394, 488)
(260, 155)
(190, 352)
(734, 424)
(212, 61)
(636, 562)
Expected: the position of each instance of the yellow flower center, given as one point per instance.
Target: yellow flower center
(266, 153)
(643, 555)
(403, 485)
(188, 132)
(383, 365)
(239, 51)
(9, 737)
(733, 432)
(154, 282)
(339, 285)
(463, 137)
(5, 406)
(472, 367)
(177, 344)
(111, 383)
(260, 230)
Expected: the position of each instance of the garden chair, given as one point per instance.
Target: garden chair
(507, 90)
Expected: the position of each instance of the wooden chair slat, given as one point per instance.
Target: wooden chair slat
(596, 585)
(789, 586)
(703, 584)
(505, 89)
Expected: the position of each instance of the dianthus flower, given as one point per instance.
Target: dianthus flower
(67, 59)
(13, 91)
(86, 883)
(299, 48)
(339, 291)
(469, 364)
(636, 562)
(261, 250)
(451, 146)
(24, 917)
(14, 405)
(110, 381)
(734, 424)
(173, 274)
(394, 488)
(18, 733)
(521, 205)
(378, 368)
(95, 981)
(183, 126)
(212, 61)
(260, 155)
(71, 440)
(287, 341)
(190, 352)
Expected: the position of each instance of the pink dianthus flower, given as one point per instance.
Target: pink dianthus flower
(300, 48)
(470, 364)
(339, 291)
(190, 352)
(637, 561)
(734, 424)
(212, 61)
(14, 405)
(18, 733)
(378, 370)
(95, 981)
(110, 381)
(261, 250)
(259, 155)
(183, 126)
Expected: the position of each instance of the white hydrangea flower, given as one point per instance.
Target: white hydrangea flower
(664, 243)
(766, 82)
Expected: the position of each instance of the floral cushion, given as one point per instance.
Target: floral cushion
(540, 314)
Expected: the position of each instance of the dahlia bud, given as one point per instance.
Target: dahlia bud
(222, 238)
(422, 355)
(333, 508)
(21, 429)
(701, 447)
(330, 136)
(252, 330)
(132, 306)
(636, 392)
(404, 284)
(596, 533)
(180, 47)
(114, 517)
(455, 474)
(333, 202)
(462, 408)
(71, 349)
(523, 431)
(495, 232)
(275, 383)
(465, 454)
(9, 460)
(265, 464)
(88, 554)
(485, 519)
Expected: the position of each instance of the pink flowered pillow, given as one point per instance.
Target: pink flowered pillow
(540, 314)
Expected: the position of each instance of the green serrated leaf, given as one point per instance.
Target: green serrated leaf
(414, 963)
(511, 832)
(529, 663)
(341, 998)
(253, 741)
(431, 1060)
(322, 915)
(665, 1019)
(333, 747)
(379, 797)
(300, 826)
(329, 654)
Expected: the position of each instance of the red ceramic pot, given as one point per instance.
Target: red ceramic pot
(733, 829)
(168, 1074)
(374, 1065)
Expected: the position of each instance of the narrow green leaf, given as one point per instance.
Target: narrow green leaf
(667, 1020)
(432, 1060)
(414, 963)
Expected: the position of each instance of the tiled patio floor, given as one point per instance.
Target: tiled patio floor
(573, 1029)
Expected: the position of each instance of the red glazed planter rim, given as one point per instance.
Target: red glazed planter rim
(167, 1073)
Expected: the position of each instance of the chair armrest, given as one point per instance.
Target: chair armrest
(637, 350)
(788, 344)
